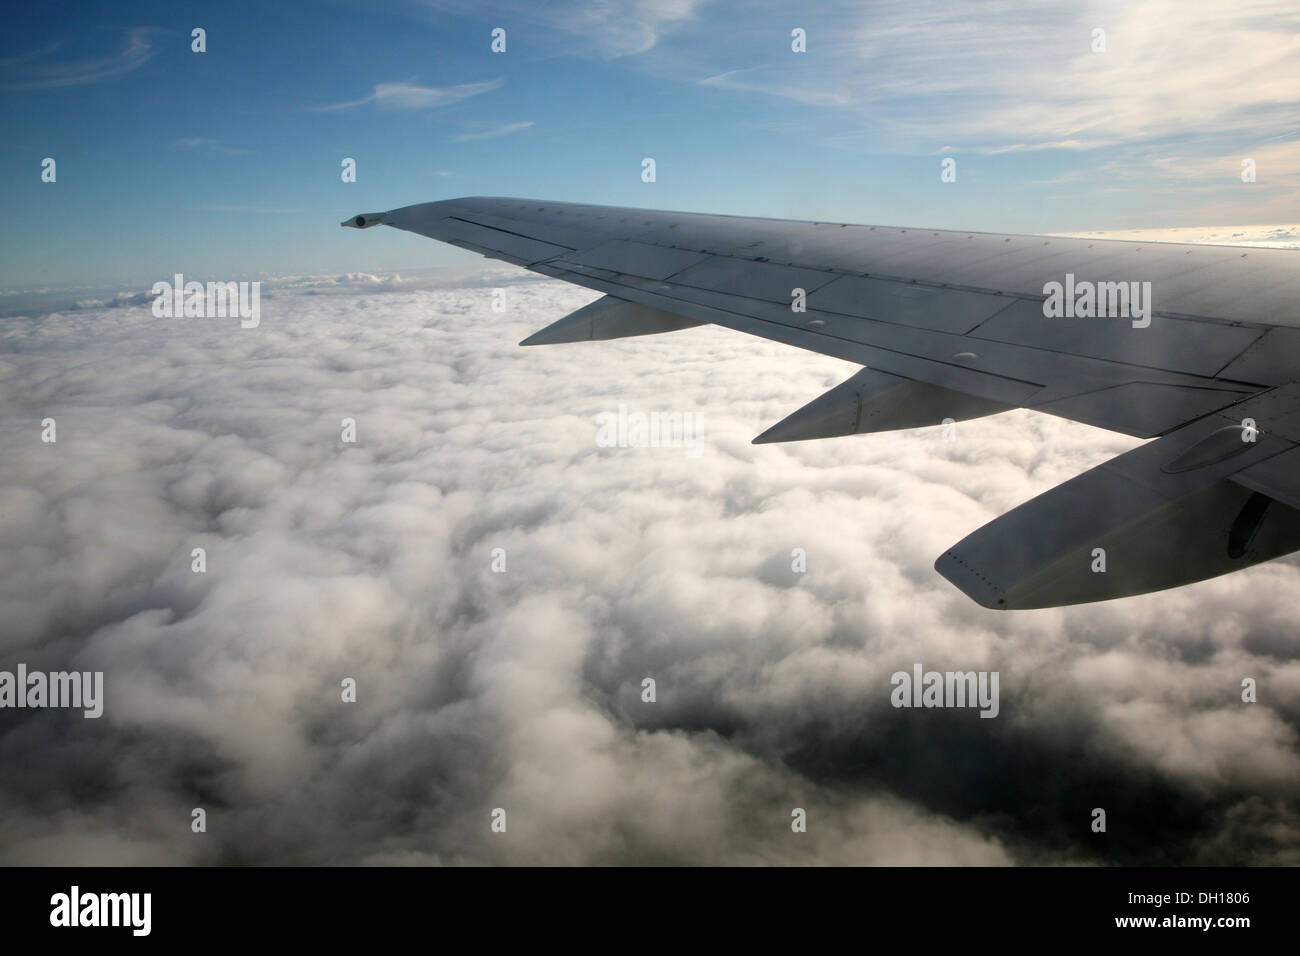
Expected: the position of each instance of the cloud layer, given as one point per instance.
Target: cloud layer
(522, 690)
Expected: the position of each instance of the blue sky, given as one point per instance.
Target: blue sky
(226, 164)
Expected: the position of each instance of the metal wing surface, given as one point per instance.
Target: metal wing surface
(1197, 349)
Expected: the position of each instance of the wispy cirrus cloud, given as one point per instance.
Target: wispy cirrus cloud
(609, 29)
(619, 28)
(505, 129)
(1000, 78)
(757, 80)
(408, 96)
(37, 70)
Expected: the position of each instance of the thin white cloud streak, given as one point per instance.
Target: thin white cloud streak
(808, 95)
(504, 129)
(408, 96)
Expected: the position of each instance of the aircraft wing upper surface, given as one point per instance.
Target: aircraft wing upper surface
(952, 325)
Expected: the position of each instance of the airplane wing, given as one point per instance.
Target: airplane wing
(1197, 349)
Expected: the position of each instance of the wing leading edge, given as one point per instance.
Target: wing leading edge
(952, 325)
